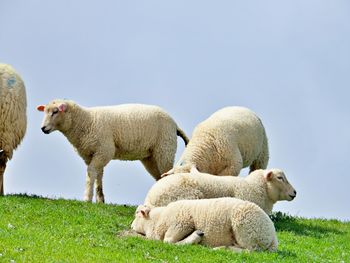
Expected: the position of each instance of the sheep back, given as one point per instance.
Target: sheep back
(203, 186)
(231, 136)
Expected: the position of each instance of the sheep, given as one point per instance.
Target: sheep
(225, 222)
(124, 132)
(229, 140)
(262, 187)
(13, 118)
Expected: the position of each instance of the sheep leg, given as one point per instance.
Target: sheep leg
(89, 183)
(235, 166)
(195, 238)
(258, 164)
(151, 166)
(263, 158)
(2, 170)
(98, 188)
(91, 176)
(175, 234)
(164, 160)
(3, 161)
(161, 160)
(232, 169)
(94, 174)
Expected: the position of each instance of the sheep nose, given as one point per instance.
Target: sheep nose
(295, 192)
(44, 130)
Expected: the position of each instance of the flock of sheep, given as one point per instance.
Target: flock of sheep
(200, 199)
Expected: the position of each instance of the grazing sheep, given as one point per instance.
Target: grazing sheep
(124, 132)
(13, 118)
(228, 222)
(229, 140)
(262, 187)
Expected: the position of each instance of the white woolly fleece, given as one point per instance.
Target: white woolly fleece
(228, 222)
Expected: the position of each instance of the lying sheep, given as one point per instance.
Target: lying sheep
(228, 222)
(13, 118)
(124, 132)
(229, 140)
(262, 187)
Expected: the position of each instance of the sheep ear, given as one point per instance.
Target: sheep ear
(268, 175)
(40, 107)
(145, 211)
(62, 107)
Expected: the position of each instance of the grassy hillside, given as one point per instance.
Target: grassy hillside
(36, 229)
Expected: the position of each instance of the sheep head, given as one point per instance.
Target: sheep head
(55, 116)
(141, 217)
(278, 187)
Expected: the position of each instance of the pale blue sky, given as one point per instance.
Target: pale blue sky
(289, 61)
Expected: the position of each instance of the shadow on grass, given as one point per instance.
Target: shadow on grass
(284, 222)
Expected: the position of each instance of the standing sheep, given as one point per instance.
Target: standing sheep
(13, 118)
(262, 187)
(228, 222)
(124, 132)
(229, 140)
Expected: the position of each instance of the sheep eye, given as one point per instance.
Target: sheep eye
(280, 178)
(55, 110)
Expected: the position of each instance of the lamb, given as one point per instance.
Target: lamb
(262, 187)
(13, 118)
(124, 132)
(225, 222)
(229, 140)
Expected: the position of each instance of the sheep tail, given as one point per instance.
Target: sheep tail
(182, 134)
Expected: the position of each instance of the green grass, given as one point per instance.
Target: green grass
(34, 229)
